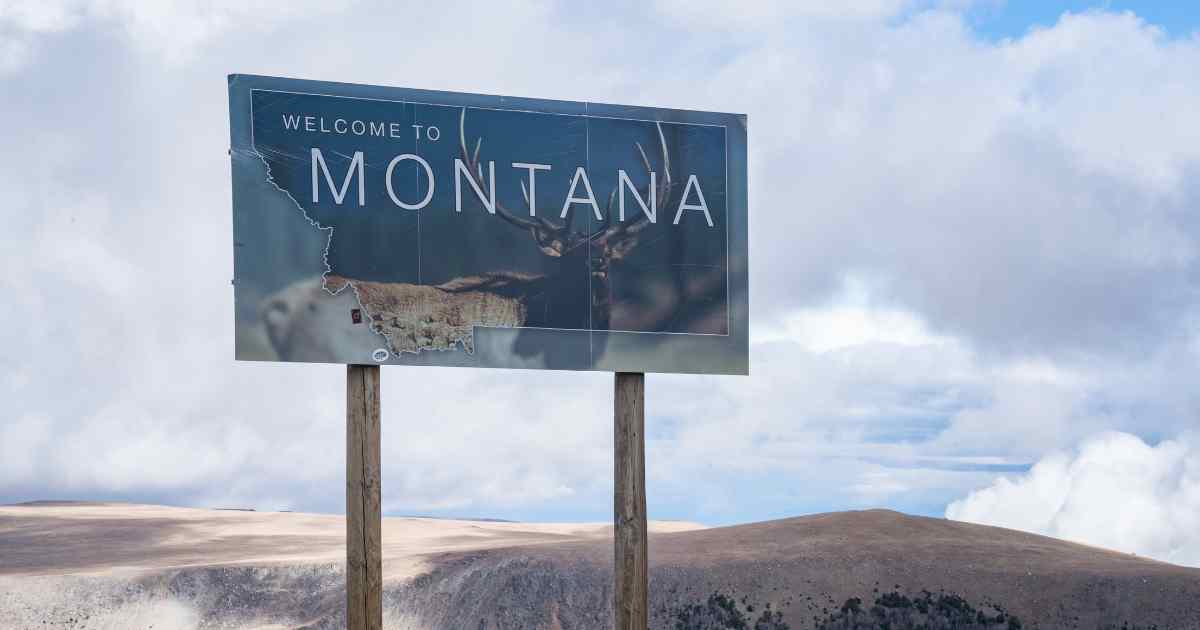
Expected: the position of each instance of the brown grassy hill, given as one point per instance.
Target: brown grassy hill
(112, 565)
(807, 568)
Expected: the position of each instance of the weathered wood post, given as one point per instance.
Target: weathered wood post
(631, 591)
(364, 563)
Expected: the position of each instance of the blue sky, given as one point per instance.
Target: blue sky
(1013, 18)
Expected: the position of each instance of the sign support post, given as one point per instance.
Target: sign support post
(364, 520)
(631, 590)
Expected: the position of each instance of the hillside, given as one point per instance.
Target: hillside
(117, 565)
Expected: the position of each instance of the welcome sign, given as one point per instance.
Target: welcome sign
(398, 226)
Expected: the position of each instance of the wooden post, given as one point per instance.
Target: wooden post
(630, 593)
(364, 563)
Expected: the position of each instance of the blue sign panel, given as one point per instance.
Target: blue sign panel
(398, 226)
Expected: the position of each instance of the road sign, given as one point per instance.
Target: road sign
(377, 225)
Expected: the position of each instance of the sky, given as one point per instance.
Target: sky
(975, 288)
(1015, 18)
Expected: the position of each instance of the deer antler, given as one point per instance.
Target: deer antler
(556, 239)
(623, 237)
(552, 239)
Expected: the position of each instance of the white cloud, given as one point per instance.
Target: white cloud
(732, 15)
(1114, 491)
(39, 16)
(172, 30)
(849, 319)
(21, 21)
(178, 28)
(1031, 195)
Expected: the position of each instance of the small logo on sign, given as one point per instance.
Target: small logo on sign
(356, 315)
(380, 355)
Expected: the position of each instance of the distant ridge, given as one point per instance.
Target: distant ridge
(73, 502)
(52, 502)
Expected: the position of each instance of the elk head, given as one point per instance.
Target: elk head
(597, 249)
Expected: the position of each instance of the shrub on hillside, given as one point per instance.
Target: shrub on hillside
(721, 612)
(928, 611)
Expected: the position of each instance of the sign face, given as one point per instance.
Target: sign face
(397, 226)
